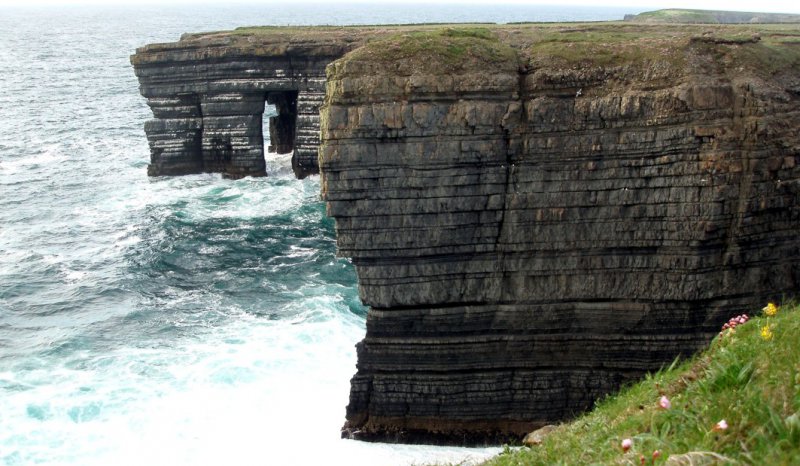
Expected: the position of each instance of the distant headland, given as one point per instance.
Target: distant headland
(711, 17)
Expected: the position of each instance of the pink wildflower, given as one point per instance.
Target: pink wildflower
(664, 403)
(721, 425)
(733, 322)
(656, 454)
(627, 444)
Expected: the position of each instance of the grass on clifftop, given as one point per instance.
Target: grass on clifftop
(443, 49)
(748, 380)
(602, 46)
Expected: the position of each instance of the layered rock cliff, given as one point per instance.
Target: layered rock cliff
(537, 214)
(534, 226)
(208, 93)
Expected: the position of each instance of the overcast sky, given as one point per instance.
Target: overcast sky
(786, 6)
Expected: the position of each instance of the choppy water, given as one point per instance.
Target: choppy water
(168, 321)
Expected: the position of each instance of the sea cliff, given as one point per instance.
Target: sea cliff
(536, 214)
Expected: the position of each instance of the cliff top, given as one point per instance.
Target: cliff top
(761, 48)
(710, 17)
(618, 54)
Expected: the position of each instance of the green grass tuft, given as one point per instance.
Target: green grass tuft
(750, 382)
(440, 50)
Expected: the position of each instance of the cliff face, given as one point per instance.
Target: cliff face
(537, 214)
(208, 93)
(533, 227)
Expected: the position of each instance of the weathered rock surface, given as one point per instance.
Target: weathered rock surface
(536, 214)
(530, 234)
(208, 92)
(537, 436)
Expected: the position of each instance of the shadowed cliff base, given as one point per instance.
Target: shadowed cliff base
(537, 213)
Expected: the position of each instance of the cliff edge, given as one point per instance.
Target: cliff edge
(539, 216)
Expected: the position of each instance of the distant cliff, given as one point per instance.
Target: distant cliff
(537, 214)
(711, 17)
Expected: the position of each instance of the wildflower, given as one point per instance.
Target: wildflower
(627, 444)
(766, 333)
(641, 460)
(656, 454)
(664, 403)
(733, 322)
(770, 309)
(721, 425)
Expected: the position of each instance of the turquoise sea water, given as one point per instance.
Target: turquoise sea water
(169, 321)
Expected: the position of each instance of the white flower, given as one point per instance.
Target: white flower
(627, 444)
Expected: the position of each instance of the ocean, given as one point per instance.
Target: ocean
(171, 321)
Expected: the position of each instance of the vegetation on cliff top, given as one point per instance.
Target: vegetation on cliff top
(738, 402)
(445, 49)
(601, 46)
(666, 50)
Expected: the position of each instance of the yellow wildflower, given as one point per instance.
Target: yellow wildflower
(766, 332)
(770, 309)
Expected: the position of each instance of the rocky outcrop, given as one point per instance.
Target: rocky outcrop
(208, 94)
(530, 234)
(536, 214)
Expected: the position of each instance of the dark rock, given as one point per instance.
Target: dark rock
(208, 92)
(525, 248)
(524, 252)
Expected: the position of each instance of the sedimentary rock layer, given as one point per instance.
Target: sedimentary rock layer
(537, 214)
(208, 93)
(530, 234)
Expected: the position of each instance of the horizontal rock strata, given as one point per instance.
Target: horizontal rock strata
(530, 235)
(537, 214)
(208, 92)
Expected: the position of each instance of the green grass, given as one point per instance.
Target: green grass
(679, 16)
(444, 49)
(601, 47)
(752, 383)
(770, 56)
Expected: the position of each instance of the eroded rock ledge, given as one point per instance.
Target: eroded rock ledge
(537, 214)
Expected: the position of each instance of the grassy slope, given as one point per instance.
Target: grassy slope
(751, 382)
